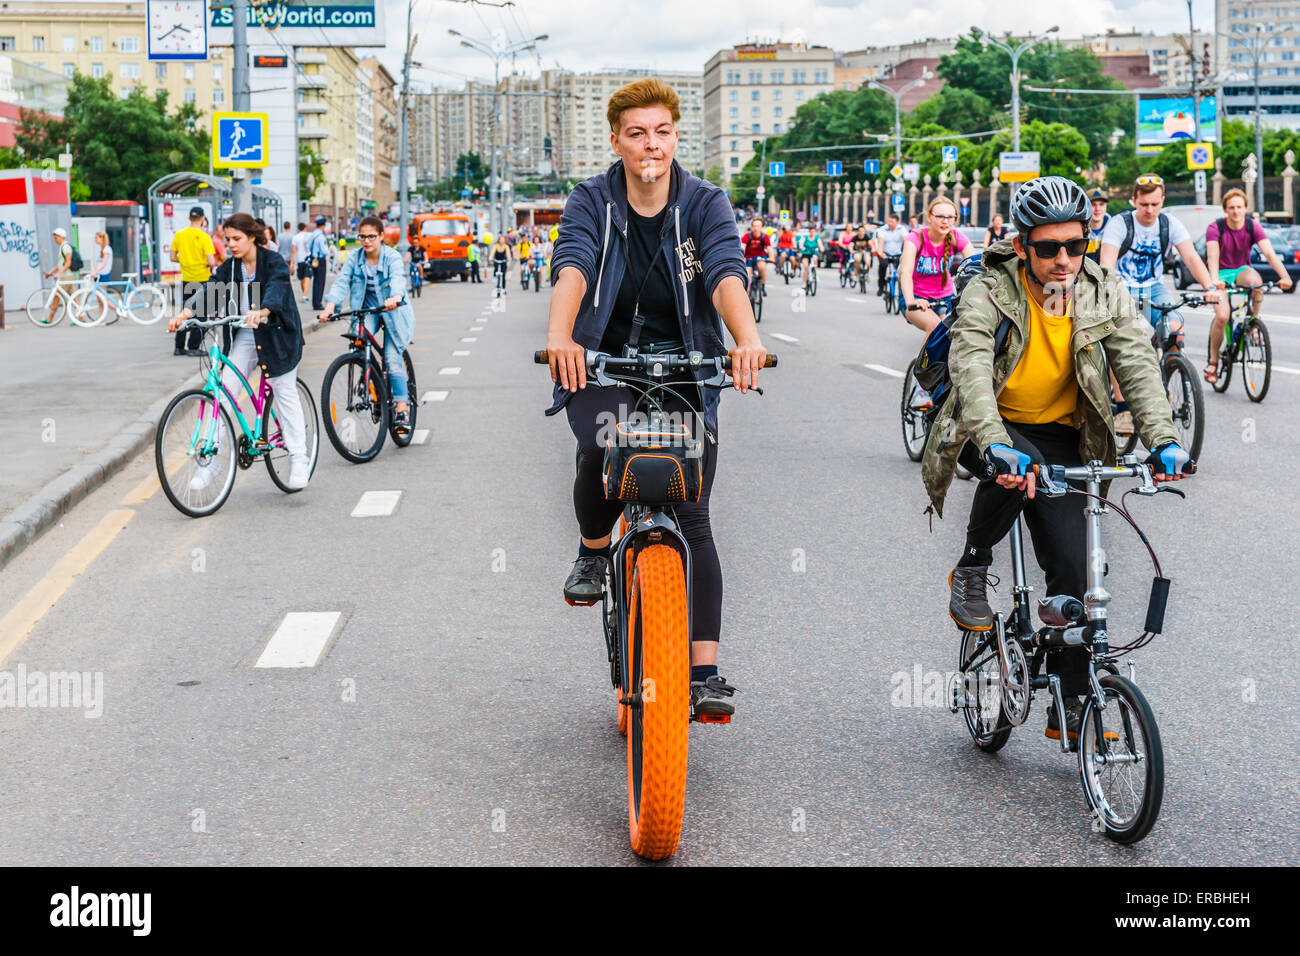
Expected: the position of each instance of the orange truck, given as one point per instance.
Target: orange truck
(445, 237)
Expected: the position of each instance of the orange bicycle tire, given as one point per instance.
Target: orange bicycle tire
(627, 602)
(658, 729)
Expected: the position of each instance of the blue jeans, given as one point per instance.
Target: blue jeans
(396, 367)
(1143, 296)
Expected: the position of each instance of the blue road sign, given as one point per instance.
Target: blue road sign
(239, 140)
(898, 201)
(950, 154)
(776, 169)
(816, 209)
(466, 193)
(871, 167)
(834, 168)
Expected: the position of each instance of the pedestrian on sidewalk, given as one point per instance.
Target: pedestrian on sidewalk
(192, 247)
(63, 273)
(301, 268)
(285, 242)
(317, 255)
(472, 255)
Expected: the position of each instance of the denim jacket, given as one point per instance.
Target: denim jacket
(391, 275)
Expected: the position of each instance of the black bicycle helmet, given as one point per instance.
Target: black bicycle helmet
(1047, 200)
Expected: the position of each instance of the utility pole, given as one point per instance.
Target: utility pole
(1015, 53)
(403, 186)
(1196, 95)
(898, 109)
(1259, 136)
(240, 190)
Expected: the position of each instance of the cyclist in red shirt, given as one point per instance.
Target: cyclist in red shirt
(757, 250)
(784, 244)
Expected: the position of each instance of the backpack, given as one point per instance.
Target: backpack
(77, 262)
(1127, 244)
(931, 365)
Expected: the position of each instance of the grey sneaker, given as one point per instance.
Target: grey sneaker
(586, 583)
(709, 700)
(969, 604)
(1073, 719)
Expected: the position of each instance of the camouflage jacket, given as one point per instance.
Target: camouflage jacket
(1104, 320)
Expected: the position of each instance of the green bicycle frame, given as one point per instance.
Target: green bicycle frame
(216, 387)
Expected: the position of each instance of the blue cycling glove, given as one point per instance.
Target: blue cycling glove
(1170, 459)
(1005, 460)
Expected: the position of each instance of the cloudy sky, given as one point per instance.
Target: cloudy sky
(683, 34)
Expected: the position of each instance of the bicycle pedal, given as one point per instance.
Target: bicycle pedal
(572, 603)
(712, 718)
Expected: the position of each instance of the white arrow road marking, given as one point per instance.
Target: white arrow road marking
(420, 437)
(299, 640)
(436, 396)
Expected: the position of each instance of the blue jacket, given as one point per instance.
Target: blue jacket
(700, 243)
(391, 275)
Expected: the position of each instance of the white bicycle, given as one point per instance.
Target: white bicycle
(144, 303)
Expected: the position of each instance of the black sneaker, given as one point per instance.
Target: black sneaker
(178, 351)
(586, 583)
(1073, 719)
(401, 424)
(969, 604)
(709, 703)
(195, 353)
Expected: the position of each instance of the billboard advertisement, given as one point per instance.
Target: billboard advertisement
(1169, 119)
(314, 23)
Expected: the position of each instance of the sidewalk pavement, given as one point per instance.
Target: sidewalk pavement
(76, 405)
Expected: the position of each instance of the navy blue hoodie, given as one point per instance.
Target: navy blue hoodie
(700, 242)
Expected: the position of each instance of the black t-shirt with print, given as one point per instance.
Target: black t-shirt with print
(658, 307)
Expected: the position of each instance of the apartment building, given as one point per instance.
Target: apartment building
(1168, 59)
(23, 86)
(881, 61)
(1263, 35)
(332, 110)
(386, 129)
(751, 92)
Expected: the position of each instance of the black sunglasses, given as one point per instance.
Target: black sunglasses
(1049, 248)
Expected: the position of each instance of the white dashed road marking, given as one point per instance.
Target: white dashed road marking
(470, 338)
(784, 338)
(299, 640)
(460, 353)
(436, 396)
(475, 328)
(377, 504)
(882, 370)
(1288, 370)
(420, 437)
(452, 370)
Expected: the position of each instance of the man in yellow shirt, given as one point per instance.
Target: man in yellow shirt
(193, 249)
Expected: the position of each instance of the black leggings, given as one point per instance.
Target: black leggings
(596, 515)
(1057, 527)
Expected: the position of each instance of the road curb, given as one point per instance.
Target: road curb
(34, 516)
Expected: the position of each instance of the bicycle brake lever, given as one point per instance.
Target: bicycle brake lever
(1169, 488)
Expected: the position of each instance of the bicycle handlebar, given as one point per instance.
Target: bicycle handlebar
(616, 363)
(1052, 479)
(234, 321)
(377, 310)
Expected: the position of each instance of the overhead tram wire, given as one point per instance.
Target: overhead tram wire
(883, 145)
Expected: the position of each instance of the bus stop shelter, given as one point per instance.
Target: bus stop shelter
(171, 197)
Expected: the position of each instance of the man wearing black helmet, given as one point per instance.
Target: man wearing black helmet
(1042, 398)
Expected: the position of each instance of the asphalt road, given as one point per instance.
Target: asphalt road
(462, 712)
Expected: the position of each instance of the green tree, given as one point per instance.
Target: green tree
(960, 109)
(986, 70)
(12, 158)
(119, 146)
(310, 166)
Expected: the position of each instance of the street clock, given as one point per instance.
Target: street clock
(178, 29)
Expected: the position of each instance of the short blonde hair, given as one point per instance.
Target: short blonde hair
(1234, 193)
(650, 91)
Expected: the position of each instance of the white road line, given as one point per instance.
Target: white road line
(475, 328)
(1287, 369)
(785, 338)
(420, 437)
(436, 396)
(299, 640)
(470, 338)
(460, 353)
(452, 370)
(882, 370)
(377, 504)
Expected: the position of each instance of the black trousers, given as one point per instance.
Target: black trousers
(593, 410)
(473, 272)
(1057, 527)
(191, 339)
(318, 285)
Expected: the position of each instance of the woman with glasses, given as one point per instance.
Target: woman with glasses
(930, 257)
(378, 277)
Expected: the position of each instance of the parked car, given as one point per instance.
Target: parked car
(1285, 241)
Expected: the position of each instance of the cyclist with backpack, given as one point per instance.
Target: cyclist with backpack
(1028, 387)
(70, 265)
(925, 270)
(1228, 242)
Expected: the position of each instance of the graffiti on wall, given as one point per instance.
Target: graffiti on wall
(17, 238)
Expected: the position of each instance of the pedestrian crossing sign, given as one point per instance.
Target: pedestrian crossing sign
(1200, 156)
(239, 140)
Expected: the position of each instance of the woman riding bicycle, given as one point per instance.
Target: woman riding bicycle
(378, 277)
(500, 262)
(930, 255)
(646, 240)
(255, 282)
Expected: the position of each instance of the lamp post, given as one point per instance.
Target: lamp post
(898, 111)
(1259, 136)
(497, 52)
(1014, 53)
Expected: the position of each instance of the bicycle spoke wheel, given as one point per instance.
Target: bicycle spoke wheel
(1256, 359)
(412, 404)
(145, 304)
(1183, 387)
(278, 459)
(88, 307)
(355, 404)
(915, 403)
(1121, 761)
(977, 692)
(195, 454)
(756, 300)
(38, 307)
(659, 721)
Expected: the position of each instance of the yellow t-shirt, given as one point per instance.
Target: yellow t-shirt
(193, 246)
(525, 248)
(1043, 388)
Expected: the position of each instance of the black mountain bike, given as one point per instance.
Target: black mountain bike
(499, 277)
(756, 292)
(1120, 758)
(355, 397)
(1182, 384)
(654, 463)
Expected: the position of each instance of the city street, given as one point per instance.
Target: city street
(461, 712)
